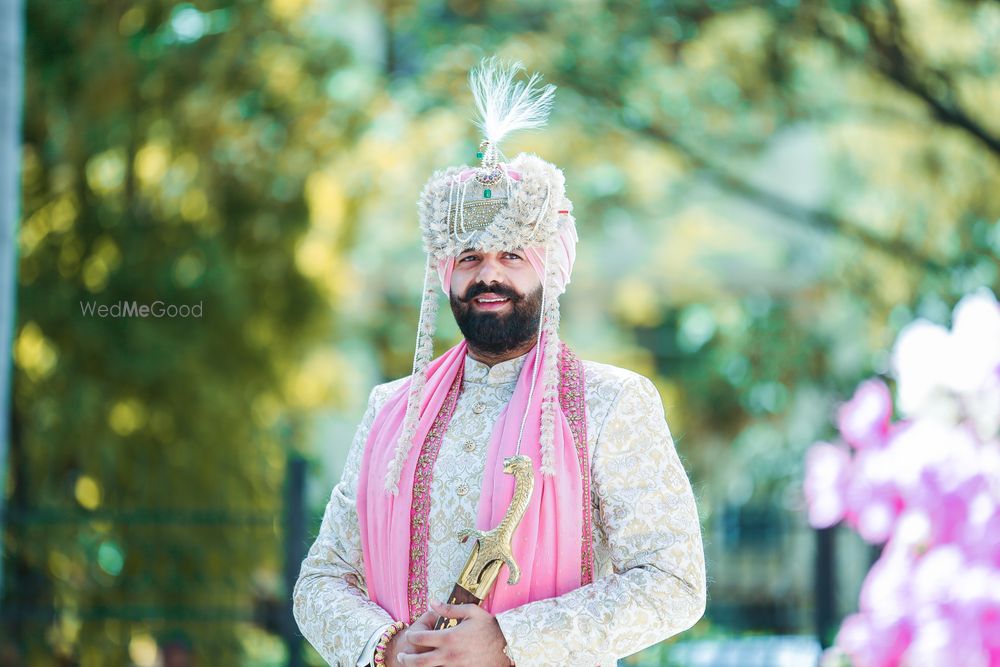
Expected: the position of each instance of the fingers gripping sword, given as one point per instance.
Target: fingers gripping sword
(493, 547)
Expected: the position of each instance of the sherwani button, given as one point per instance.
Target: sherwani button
(478, 408)
(462, 489)
(470, 445)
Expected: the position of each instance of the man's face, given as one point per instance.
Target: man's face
(496, 298)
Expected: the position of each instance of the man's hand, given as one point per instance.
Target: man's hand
(401, 642)
(475, 642)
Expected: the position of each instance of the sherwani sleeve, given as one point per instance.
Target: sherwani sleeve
(330, 599)
(647, 511)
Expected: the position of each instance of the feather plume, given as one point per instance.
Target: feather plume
(505, 105)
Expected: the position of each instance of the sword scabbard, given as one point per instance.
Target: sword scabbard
(492, 548)
(458, 596)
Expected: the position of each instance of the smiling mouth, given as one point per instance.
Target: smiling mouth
(491, 303)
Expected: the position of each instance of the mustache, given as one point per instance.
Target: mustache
(482, 288)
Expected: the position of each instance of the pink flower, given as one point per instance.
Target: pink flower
(981, 532)
(874, 500)
(920, 361)
(946, 497)
(826, 484)
(937, 370)
(864, 420)
(975, 334)
(873, 643)
(957, 603)
(929, 488)
(887, 590)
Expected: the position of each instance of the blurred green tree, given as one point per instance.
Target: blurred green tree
(166, 150)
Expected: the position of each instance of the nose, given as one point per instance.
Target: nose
(490, 271)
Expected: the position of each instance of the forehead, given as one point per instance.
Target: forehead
(487, 252)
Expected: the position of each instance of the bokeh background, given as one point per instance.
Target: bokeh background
(766, 193)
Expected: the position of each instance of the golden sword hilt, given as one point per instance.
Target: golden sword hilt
(493, 547)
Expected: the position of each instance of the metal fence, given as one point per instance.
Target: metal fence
(130, 583)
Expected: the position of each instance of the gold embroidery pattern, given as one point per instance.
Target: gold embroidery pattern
(572, 399)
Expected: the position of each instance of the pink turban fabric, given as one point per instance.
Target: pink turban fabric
(562, 257)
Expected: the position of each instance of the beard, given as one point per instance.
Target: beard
(497, 333)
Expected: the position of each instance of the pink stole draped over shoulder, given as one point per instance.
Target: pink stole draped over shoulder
(552, 545)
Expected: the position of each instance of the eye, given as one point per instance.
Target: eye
(513, 255)
(462, 259)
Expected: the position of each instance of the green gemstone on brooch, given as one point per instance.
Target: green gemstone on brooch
(479, 155)
(487, 193)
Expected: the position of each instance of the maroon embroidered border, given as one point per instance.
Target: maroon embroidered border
(573, 401)
(420, 506)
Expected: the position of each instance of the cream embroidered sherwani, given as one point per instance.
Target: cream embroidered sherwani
(649, 569)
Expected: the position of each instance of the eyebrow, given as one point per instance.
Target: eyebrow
(467, 250)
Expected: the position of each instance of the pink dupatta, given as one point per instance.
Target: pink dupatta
(552, 545)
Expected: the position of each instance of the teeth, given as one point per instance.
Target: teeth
(491, 300)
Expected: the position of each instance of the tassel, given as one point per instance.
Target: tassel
(423, 353)
(550, 370)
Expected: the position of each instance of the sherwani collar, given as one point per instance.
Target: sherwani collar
(506, 372)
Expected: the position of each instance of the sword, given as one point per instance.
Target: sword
(492, 548)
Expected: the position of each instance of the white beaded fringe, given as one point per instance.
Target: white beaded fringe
(423, 354)
(550, 372)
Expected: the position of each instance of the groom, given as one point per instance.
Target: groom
(609, 546)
